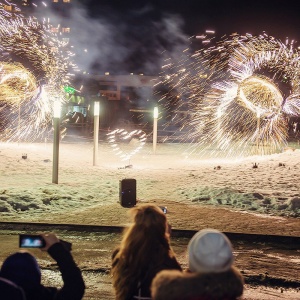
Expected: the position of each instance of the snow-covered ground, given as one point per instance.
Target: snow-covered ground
(27, 193)
(26, 188)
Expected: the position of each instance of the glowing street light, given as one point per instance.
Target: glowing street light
(155, 117)
(96, 131)
(56, 125)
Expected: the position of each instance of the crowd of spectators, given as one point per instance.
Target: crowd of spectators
(144, 266)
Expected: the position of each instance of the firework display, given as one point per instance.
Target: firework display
(34, 68)
(237, 95)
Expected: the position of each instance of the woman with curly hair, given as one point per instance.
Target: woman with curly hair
(144, 251)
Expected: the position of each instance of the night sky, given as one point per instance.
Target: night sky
(276, 17)
(133, 34)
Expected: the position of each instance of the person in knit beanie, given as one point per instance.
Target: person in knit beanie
(211, 274)
(210, 251)
(22, 269)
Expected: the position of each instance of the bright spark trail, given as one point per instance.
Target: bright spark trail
(238, 94)
(136, 140)
(34, 68)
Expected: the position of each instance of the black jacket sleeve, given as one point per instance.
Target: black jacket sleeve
(73, 288)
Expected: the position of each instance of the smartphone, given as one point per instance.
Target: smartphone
(37, 241)
(164, 209)
(31, 241)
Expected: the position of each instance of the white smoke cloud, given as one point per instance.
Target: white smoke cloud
(120, 43)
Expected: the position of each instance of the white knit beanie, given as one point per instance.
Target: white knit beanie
(210, 251)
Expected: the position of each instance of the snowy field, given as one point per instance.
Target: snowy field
(26, 188)
(88, 193)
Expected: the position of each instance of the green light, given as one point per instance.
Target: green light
(69, 90)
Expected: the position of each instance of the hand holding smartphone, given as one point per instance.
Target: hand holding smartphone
(37, 241)
(31, 241)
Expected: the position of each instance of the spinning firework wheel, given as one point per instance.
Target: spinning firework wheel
(34, 68)
(235, 96)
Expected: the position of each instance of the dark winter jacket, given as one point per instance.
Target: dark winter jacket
(175, 285)
(73, 288)
(10, 291)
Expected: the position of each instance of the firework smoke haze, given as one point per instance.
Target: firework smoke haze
(108, 39)
(119, 42)
(34, 68)
(234, 96)
(111, 42)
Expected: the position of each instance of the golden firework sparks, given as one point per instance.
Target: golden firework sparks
(34, 68)
(233, 94)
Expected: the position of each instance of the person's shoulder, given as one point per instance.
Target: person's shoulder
(10, 291)
(176, 283)
(172, 263)
(115, 252)
(41, 292)
(165, 283)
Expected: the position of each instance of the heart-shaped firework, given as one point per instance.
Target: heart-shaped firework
(132, 142)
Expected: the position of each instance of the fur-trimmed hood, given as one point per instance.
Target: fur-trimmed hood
(175, 285)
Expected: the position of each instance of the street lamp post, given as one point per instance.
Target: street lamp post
(56, 136)
(96, 131)
(257, 128)
(155, 117)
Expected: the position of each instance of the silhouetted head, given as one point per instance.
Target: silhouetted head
(22, 268)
